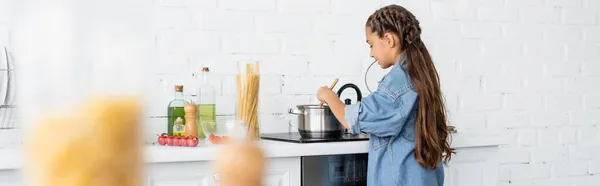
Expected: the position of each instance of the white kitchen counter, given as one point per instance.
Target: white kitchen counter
(11, 158)
(273, 149)
(277, 149)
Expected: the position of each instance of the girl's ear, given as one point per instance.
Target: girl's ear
(391, 40)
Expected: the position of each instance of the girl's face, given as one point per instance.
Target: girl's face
(386, 49)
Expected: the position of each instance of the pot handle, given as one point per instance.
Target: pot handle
(290, 126)
(295, 112)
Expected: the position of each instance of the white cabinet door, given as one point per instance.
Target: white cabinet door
(179, 174)
(10, 183)
(272, 178)
(473, 167)
(10, 178)
(283, 172)
(178, 183)
(280, 172)
(277, 178)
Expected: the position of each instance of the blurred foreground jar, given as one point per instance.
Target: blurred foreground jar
(238, 150)
(81, 84)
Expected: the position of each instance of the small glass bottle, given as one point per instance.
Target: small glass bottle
(206, 101)
(178, 127)
(176, 109)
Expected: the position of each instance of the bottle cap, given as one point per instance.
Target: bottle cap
(178, 88)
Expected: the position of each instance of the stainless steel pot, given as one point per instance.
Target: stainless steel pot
(316, 121)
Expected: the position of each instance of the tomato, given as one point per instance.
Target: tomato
(183, 141)
(218, 139)
(170, 140)
(177, 141)
(213, 139)
(192, 141)
(162, 139)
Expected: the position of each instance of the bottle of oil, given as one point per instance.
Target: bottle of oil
(206, 101)
(175, 109)
(178, 127)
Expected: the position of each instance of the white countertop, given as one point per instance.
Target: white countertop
(272, 149)
(11, 158)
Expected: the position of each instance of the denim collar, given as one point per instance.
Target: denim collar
(402, 61)
(400, 64)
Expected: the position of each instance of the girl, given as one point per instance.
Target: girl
(405, 116)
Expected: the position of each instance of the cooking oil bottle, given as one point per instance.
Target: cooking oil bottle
(206, 101)
(175, 109)
(178, 127)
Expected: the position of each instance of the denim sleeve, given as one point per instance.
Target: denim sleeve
(351, 116)
(380, 113)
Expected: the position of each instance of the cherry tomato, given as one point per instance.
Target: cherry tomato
(192, 141)
(177, 141)
(162, 139)
(183, 141)
(170, 141)
(213, 139)
(218, 139)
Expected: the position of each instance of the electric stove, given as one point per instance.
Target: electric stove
(295, 137)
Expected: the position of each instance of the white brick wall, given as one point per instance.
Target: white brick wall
(527, 68)
(3, 22)
(6, 136)
(3, 34)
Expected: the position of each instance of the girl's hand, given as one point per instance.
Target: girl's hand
(325, 94)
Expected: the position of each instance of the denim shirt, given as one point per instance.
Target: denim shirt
(388, 116)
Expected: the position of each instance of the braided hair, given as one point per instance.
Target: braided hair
(430, 126)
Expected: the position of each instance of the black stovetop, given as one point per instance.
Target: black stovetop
(295, 137)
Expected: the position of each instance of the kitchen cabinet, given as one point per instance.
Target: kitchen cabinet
(472, 165)
(283, 172)
(178, 173)
(10, 178)
(475, 164)
(280, 172)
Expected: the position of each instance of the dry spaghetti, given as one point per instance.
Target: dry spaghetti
(248, 83)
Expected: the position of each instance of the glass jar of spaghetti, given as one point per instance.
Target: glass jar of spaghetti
(247, 96)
